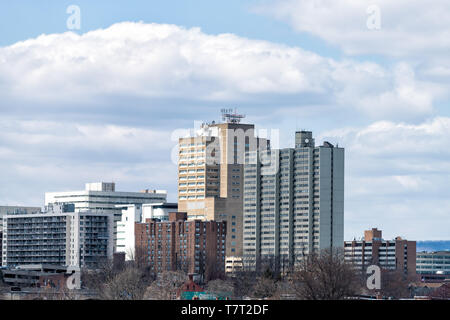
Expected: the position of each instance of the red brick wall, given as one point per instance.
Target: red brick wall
(207, 235)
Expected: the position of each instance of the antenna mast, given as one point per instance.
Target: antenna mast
(230, 116)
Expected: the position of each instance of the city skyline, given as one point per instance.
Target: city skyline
(66, 123)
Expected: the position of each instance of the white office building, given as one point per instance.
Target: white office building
(433, 263)
(103, 197)
(132, 213)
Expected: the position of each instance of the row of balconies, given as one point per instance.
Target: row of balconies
(21, 226)
(36, 261)
(34, 248)
(94, 225)
(95, 242)
(32, 237)
(36, 254)
(36, 231)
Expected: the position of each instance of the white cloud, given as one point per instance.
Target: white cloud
(74, 81)
(397, 177)
(408, 27)
(393, 95)
(428, 139)
(158, 62)
(62, 138)
(36, 157)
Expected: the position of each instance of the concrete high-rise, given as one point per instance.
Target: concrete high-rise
(293, 201)
(59, 236)
(210, 174)
(5, 210)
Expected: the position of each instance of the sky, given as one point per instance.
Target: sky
(105, 101)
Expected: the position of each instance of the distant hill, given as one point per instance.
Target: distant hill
(441, 245)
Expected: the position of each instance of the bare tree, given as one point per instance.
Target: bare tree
(48, 293)
(214, 268)
(220, 286)
(166, 286)
(94, 279)
(395, 284)
(130, 284)
(265, 288)
(243, 282)
(324, 276)
(117, 281)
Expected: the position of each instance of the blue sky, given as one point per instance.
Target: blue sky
(103, 102)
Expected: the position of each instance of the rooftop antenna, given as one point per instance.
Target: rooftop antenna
(230, 116)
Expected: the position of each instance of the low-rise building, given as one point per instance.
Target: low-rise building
(433, 265)
(193, 246)
(397, 254)
(39, 275)
(233, 265)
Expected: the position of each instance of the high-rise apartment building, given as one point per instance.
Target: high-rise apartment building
(293, 201)
(103, 197)
(59, 236)
(210, 174)
(5, 210)
(398, 254)
(195, 246)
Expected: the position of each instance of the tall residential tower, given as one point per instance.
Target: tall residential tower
(293, 200)
(210, 179)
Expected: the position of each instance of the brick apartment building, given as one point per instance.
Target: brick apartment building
(398, 254)
(194, 246)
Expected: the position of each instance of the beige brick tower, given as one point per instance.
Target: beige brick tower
(210, 174)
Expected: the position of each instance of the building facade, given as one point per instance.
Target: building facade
(132, 213)
(4, 210)
(210, 174)
(103, 197)
(194, 246)
(59, 236)
(293, 201)
(398, 254)
(437, 264)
